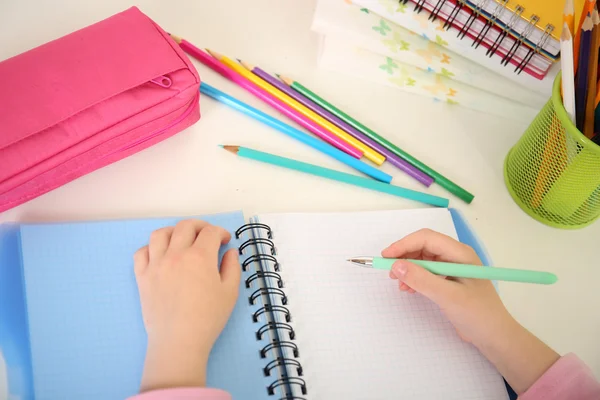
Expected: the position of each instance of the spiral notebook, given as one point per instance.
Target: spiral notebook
(348, 26)
(544, 15)
(337, 56)
(477, 39)
(307, 325)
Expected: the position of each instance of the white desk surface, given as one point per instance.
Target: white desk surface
(189, 175)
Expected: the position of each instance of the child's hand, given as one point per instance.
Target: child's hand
(185, 300)
(472, 305)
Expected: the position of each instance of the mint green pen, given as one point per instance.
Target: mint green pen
(463, 270)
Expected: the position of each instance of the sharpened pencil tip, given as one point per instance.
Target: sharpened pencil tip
(231, 149)
(214, 54)
(246, 65)
(566, 33)
(176, 38)
(588, 24)
(286, 80)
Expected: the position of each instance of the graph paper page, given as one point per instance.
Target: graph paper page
(359, 337)
(85, 325)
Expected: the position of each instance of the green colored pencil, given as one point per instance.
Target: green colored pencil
(439, 178)
(463, 270)
(337, 176)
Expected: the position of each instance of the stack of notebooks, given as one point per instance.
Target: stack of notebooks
(307, 324)
(494, 56)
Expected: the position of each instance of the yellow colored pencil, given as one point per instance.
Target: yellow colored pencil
(569, 16)
(368, 152)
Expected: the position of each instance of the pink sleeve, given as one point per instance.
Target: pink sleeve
(183, 394)
(568, 378)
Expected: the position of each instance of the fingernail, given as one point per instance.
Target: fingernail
(400, 268)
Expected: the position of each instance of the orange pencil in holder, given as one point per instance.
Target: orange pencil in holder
(553, 171)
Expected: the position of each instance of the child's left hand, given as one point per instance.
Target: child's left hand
(185, 300)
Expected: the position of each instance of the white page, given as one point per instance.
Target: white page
(360, 337)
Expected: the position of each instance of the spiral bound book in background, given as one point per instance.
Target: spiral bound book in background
(307, 325)
(481, 37)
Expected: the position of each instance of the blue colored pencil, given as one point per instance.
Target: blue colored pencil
(337, 176)
(294, 133)
(581, 88)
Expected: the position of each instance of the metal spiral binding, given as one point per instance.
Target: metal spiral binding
(264, 274)
(254, 225)
(269, 308)
(288, 380)
(472, 17)
(282, 361)
(251, 242)
(279, 344)
(275, 325)
(516, 16)
(457, 8)
(281, 348)
(259, 258)
(479, 9)
(436, 10)
(542, 42)
(533, 20)
(419, 5)
(265, 292)
(500, 7)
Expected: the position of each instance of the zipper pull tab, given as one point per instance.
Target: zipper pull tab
(162, 81)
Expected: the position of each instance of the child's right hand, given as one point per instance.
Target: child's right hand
(472, 305)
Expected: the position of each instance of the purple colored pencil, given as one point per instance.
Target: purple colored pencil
(391, 157)
(581, 88)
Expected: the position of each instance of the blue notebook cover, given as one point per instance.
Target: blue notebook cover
(79, 334)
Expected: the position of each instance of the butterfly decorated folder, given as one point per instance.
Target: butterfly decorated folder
(509, 58)
(365, 30)
(336, 55)
(306, 323)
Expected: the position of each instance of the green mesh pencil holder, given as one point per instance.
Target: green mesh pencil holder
(553, 171)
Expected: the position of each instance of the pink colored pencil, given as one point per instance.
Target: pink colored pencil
(230, 74)
(389, 156)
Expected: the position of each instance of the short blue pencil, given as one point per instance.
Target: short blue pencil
(337, 176)
(295, 133)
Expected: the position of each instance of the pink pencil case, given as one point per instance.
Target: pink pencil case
(88, 99)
